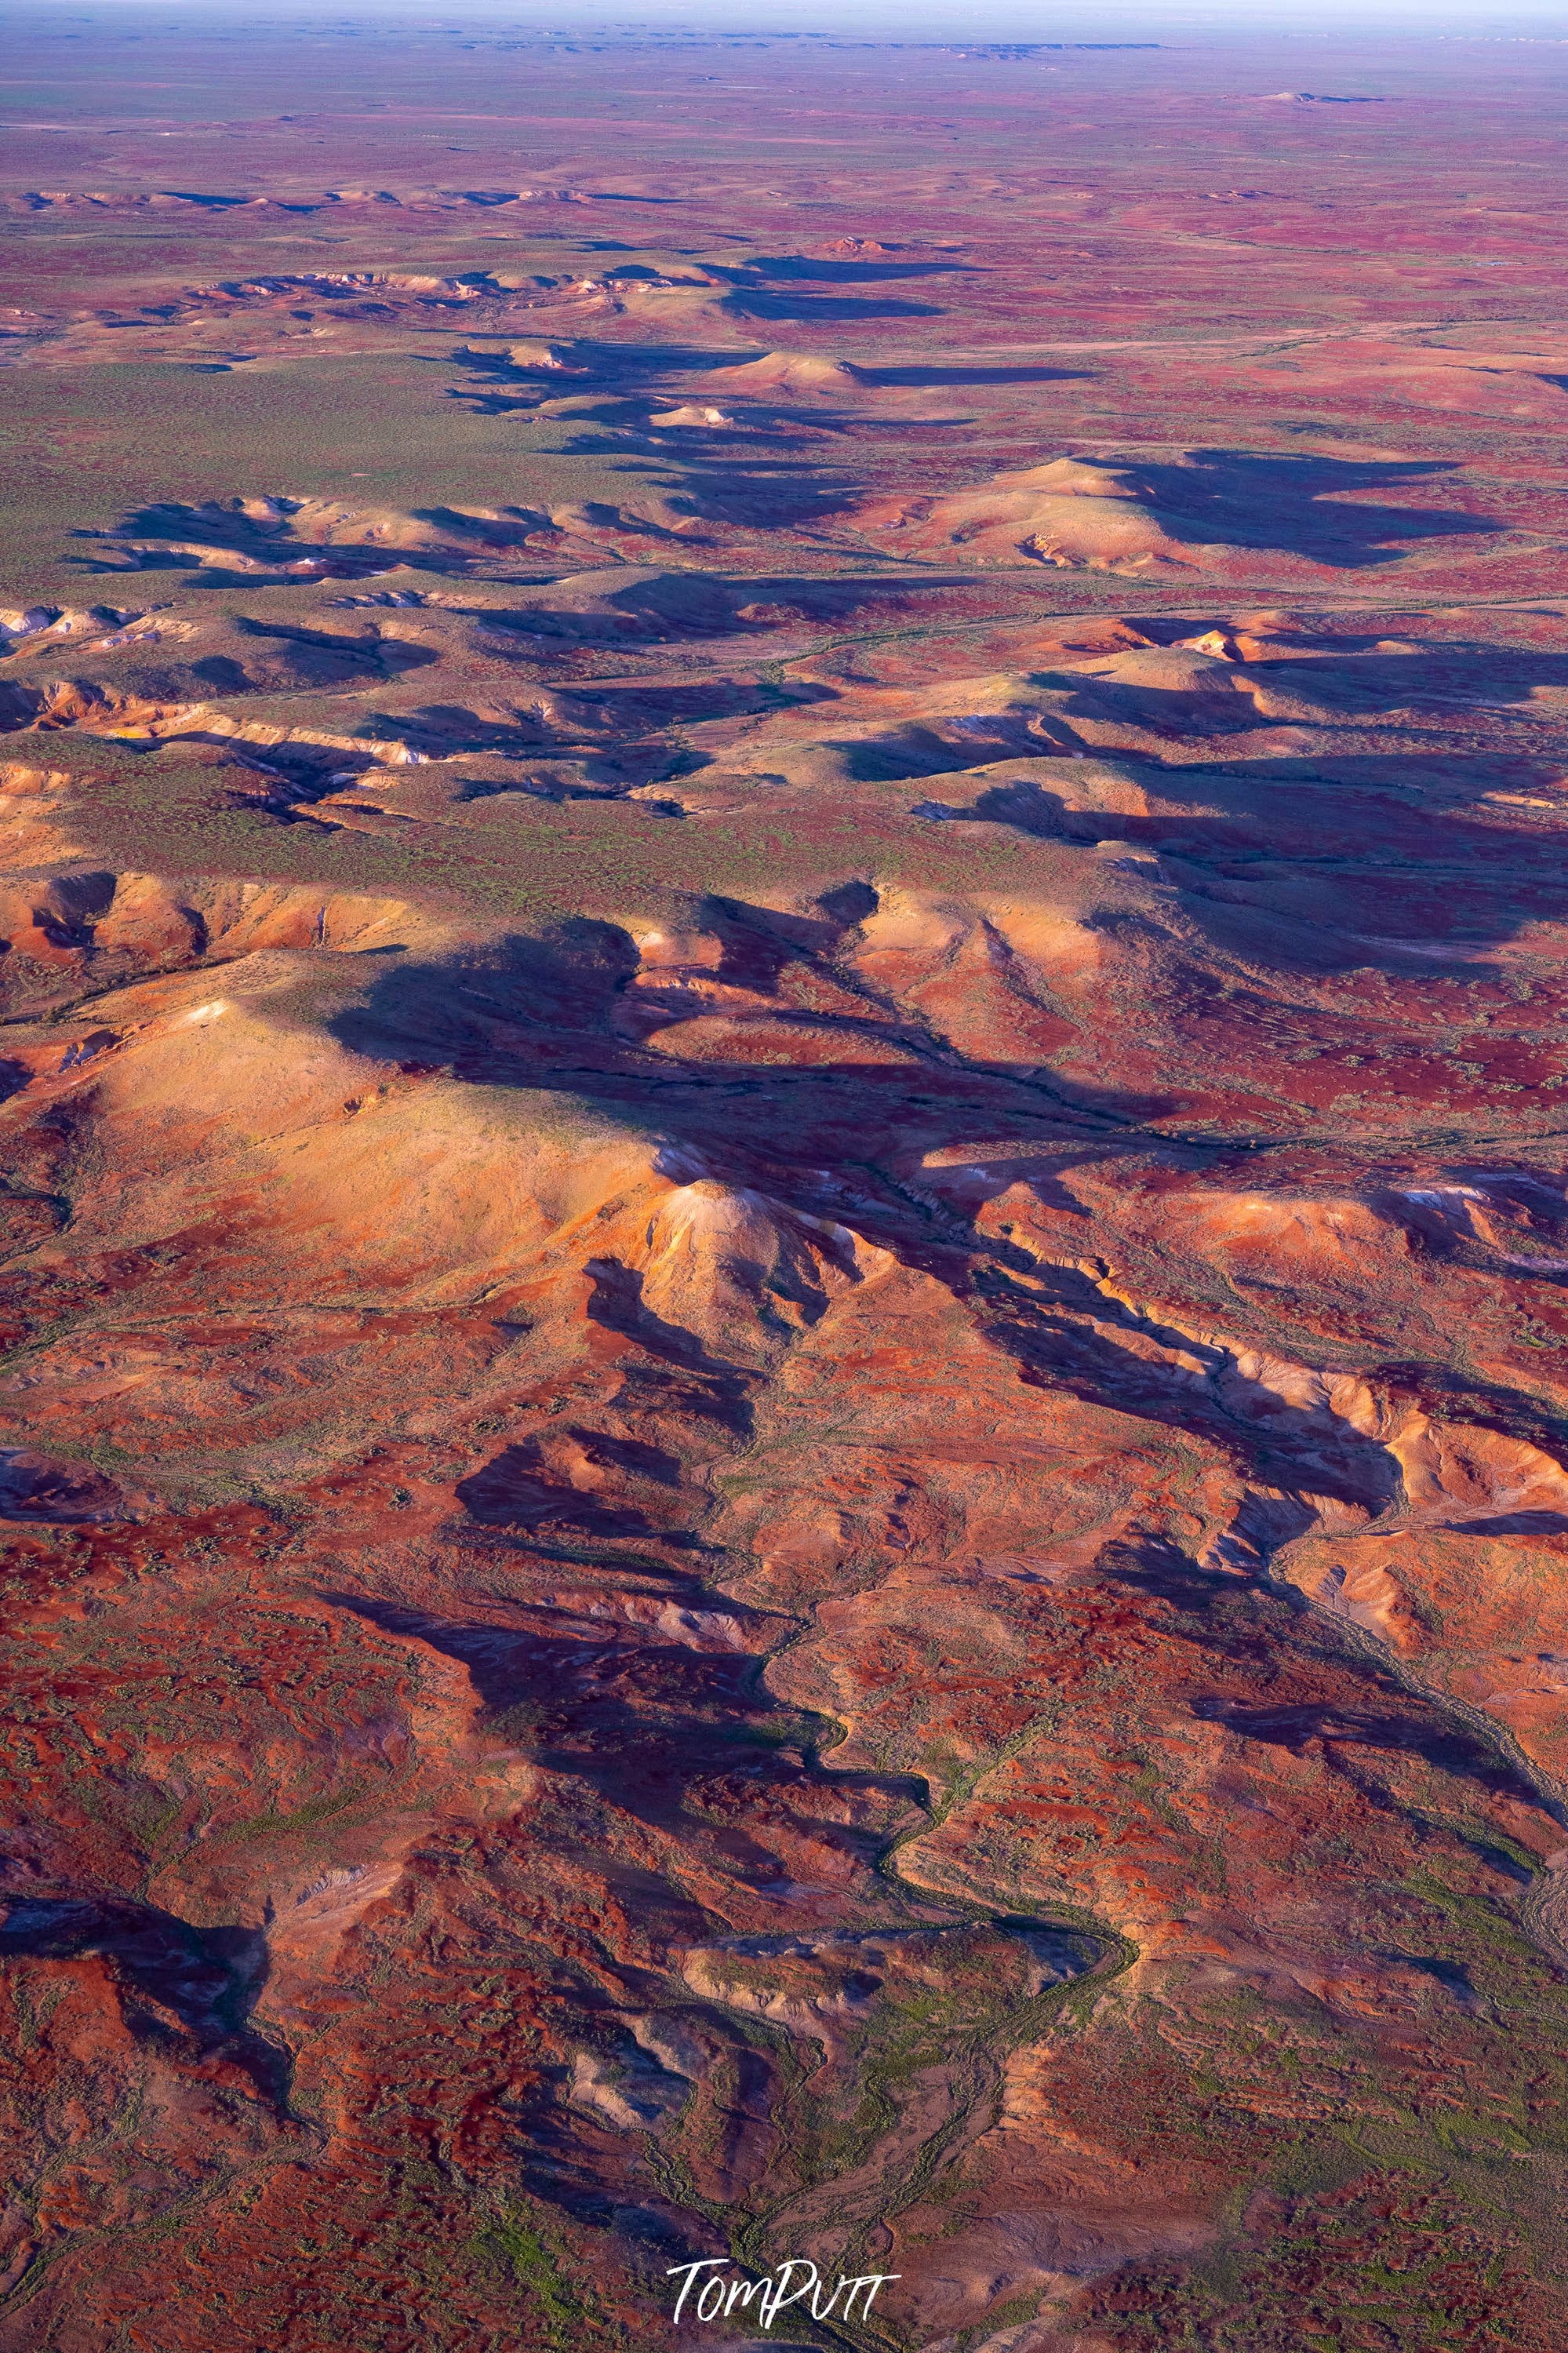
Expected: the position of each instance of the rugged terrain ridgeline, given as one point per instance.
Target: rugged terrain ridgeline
(785, 1445)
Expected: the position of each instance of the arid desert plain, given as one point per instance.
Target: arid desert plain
(785, 1409)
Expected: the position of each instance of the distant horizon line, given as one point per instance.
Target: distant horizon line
(1107, 24)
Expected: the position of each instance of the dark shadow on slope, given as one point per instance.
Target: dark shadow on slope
(1242, 498)
(174, 1977)
(1418, 1730)
(1068, 1339)
(518, 1490)
(649, 605)
(563, 990)
(1514, 1524)
(175, 536)
(651, 1724)
(220, 674)
(622, 710)
(848, 272)
(934, 376)
(327, 658)
(779, 495)
(1442, 676)
(543, 1014)
(1222, 1616)
(440, 729)
(1315, 864)
(758, 302)
(618, 1303)
(34, 1488)
(591, 366)
(546, 1013)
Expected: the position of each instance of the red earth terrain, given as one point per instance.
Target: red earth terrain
(785, 1454)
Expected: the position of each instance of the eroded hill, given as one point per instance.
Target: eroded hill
(784, 1461)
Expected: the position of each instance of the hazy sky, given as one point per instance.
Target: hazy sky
(1174, 21)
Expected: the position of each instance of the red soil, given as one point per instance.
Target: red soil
(784, 1405)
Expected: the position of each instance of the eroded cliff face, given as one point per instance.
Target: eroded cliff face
(781, 1431)
(853, 1650)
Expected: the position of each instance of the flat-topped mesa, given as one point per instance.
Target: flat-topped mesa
(1065, 512)
(806, 374)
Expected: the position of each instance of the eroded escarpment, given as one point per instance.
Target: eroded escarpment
(781, 1451)
(834, 1522)
(772, 1856)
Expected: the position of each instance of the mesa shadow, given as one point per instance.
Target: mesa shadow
(1444, 675)
(545, 1015)
(849, 272)
(1407, 1725)
(208, 1979)
(1339, 845)
(758, 302)
(706, 604)
(335, 656)
(590, 367)
(1364, 1711)
(172, 536)
(34, 1487)
(1357, 676)
(646, 1723)
(1243, 498)
(542, 1012)
(915, 377)
(772, 493)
